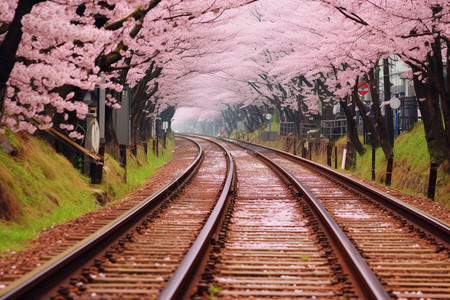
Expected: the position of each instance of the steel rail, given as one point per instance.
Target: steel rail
(368, 282)
(435, 227)
(180, 280)
(55, 272)
(431, 225)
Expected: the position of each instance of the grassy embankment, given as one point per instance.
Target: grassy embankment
(411, 163)
(40, 188)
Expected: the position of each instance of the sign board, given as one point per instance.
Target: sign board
(122, 120)
(336, 109)
(165, 126)
(394, 103)
(268, 116)
(92, 141)
(363, 88)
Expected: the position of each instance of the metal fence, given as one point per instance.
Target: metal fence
(408, 113)
(269, 135)
(304, 128)
(287, 128)
(333, 129)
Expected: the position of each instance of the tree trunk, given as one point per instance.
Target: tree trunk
(383, 136)
(368, 124)
(352, 132)
(439, 97)
(387, 97)
(428, 94)
(111, 142)
(10, 44)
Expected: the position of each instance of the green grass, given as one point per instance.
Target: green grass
(40, 188)
(137, 174)
(273, 127)
(138, 169)
(411, 166)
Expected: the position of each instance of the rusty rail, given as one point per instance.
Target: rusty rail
(432, 226)
(47, 278)
(437, 228)
(178, 283)
(367, 281)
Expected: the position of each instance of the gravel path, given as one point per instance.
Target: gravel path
(428, 206)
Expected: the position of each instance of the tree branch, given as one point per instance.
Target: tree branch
(352, 16)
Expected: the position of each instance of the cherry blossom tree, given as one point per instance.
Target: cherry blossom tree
(211, 56)
(418, 32)
(347, 39)
(63, 47)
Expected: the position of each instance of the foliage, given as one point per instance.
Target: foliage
(53, 51)
(266, 54)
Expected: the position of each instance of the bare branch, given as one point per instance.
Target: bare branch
(352, 16)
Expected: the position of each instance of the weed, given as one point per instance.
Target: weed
(213, 290)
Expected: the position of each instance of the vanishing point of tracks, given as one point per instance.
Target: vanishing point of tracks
(254, 224)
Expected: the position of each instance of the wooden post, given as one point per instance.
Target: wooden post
(294, 151)
(389, 169)
(329, 151)
(335, 157)
(164, 139)
(96, 168)
(373, 163)
(144, 144)
(432, 181)
(123, 159)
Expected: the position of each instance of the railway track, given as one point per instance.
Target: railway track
(256, 226)
(164, 224)
(406, 249)
(274, 243)
(53, 241)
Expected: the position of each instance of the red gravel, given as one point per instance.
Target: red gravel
(14, 264)
(428, 206)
